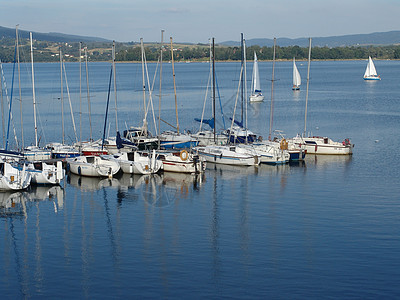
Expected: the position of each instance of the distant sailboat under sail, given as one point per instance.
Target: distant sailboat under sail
(370, 72)
(296, 77)
(256, 95)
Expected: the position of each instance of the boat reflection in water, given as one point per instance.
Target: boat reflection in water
(13, 204)
(163, 189)
(328, 161)
(91, 183)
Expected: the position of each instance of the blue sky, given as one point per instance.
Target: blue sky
(197, 21)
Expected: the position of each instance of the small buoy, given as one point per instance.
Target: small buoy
(317, 127)
(376, 141)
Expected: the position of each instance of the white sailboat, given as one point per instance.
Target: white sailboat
(94, 166)
(256, 94)
(34, 153)
(317, 144)
(296, 77)
(136, 162)
(370, 71)
(12, 178)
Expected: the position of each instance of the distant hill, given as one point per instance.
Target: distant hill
(49, 37)
(374, 39)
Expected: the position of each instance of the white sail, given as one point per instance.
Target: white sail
(256, 77)
(256, 95)
(296, 75)
(370, 71)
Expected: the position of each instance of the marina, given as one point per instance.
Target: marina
(327, 225)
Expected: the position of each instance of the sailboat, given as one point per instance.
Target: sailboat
(318, 144)
(256, 95)
(34, 153)
(296, 77)
(370, 72)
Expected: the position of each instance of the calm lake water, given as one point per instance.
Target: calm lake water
(325, 228)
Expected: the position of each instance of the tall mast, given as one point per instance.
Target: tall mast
(115, 86)
(245, 84)
(19, 85)
(271, 114)
(88, 94)
(159, 96)
(144, 128)
(213, 72)
(308, 82)
(173, 76)
(242, 85)
(80, 91)
(62, 97)
(33, 93)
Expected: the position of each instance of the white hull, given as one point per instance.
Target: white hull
(93, 166)
(271, 154)
(229, 155)
(43, 173)
(36, 154)
(256, 98)
(13, 179)
(137, 163)
(324, 145)
(206, 138)
(179, 162)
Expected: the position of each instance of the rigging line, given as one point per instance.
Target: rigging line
(108, 100)
(237, 97)
(150, 91)
(219, 98)
(10, 117)
(70, 104)
(205, 97)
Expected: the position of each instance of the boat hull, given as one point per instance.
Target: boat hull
(372, 78)
(324, 146)
(96, 168)
(256, 98)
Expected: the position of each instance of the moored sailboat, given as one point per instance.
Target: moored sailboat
(317, 144)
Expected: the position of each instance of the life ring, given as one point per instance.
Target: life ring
(184, 155)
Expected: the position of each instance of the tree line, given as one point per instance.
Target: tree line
(49, 52)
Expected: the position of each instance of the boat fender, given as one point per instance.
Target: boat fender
(184, 155)
(79, 170)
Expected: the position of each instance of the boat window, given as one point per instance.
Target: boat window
(232, 149)
(38, 166)
(131, 156)
(325, 140)
(90, 159)
(2, 168)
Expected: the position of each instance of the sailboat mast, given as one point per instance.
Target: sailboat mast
(159, 96)
(19, 85)
(173, 76)
(33, 93)
(115, 86)
(242, 85)
(245, 83)
(62, 97)
(308, 82)
(80, 91)
(88, 93)
(271, 114)
(144, 87)
(213, 72)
